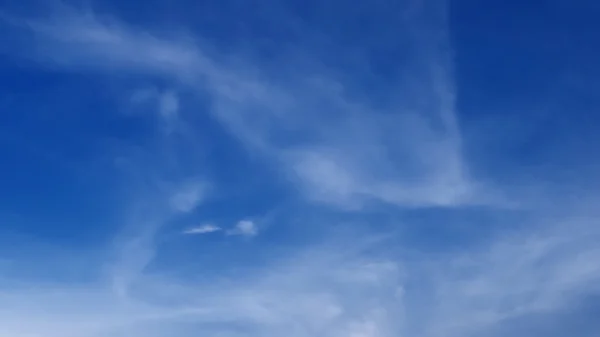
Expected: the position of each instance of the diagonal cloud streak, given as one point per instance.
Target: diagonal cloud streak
(337, 149)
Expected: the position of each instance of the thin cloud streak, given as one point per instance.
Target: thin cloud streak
(337, 290)
(405, 153)
(204, 229)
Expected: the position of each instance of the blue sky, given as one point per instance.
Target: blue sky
(299, 168)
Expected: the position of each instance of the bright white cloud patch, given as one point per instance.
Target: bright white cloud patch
(244, 228)
(204, 229)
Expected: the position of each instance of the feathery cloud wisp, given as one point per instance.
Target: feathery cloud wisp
(406, 152)
(337, 289)
(337, 148)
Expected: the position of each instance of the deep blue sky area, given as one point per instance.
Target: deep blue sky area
(381, 168)
(540, 56)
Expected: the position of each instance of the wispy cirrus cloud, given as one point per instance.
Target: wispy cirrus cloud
(338, 289)
(337, 148)
(135, 247)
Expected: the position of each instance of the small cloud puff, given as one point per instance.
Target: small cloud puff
(187, 198)
(244, 228)
(204, 229)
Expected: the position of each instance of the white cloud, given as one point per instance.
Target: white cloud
(404, 153)
(83, 41)
(533, 274)
(204, 229)
(337, 148)
(244, 228)
(135, 248)
(336, 290)
(188, 197)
